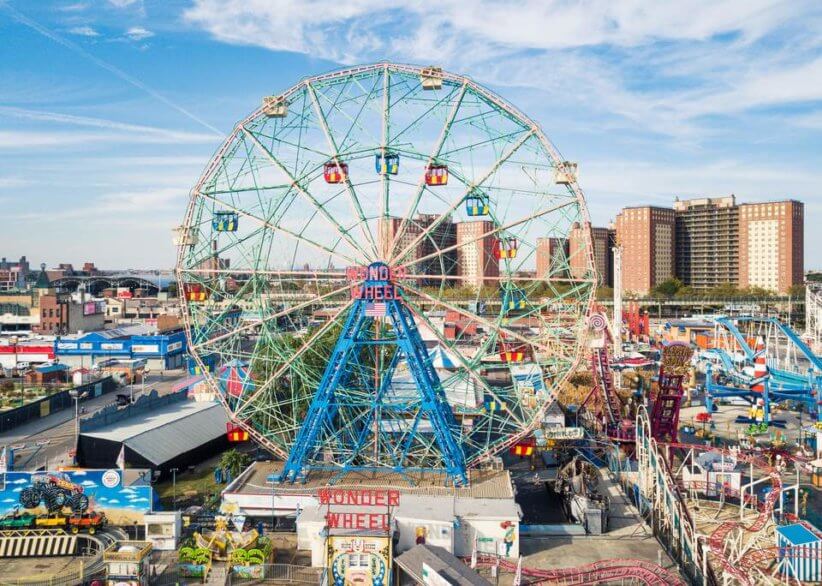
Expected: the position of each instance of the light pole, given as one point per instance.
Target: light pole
(174, 488)
(76, 396)
(143, 382)
(14, 340)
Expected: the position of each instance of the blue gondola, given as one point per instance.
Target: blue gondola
(477, 205)
(513, 299)
(225, 221)
(387, 164)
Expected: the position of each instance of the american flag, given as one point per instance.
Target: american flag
(376, 309)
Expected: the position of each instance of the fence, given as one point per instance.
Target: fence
(67, 578)
(280, 574)
(48, 405)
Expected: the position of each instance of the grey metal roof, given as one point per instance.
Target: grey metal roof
(441, 561)
(161, 435)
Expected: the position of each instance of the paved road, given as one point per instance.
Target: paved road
(58, 428)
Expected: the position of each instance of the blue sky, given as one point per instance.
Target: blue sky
(110, 109)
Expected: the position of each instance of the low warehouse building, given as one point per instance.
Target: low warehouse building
(174, 436)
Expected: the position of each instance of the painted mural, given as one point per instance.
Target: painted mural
(62, 494)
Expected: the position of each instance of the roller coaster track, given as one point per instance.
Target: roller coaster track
(601, 572)
(741, 568)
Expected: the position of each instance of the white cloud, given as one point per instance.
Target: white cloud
(663, 69)
(138, 33)
(84, 31)
(77, 7)
(124, 3)
(89, 483)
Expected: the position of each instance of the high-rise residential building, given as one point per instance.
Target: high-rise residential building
(771, 242)
(439, 237)
(602, 240)
(475, 254)
(646, 235)
(552, 255)
(707, 241)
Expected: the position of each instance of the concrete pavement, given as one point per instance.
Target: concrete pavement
(59, 427)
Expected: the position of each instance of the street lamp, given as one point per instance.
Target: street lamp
(77, 396)
(14, 340)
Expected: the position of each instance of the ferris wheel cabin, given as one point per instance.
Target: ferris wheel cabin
(275, 107)
(387, 163)
(195, 292)
(513, 299)
(184, 236)
(431, 78)
(477, 205)
(506, 248)
(566, 173)
(436, 175)
(335, 172)
(513, 352)
(225, 221)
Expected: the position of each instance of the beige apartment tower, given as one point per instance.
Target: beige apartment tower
(476, 262)
(771, 242)
(646, 235)
(707, 242)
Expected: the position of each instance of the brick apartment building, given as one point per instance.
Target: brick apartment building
(707, 241)
(771, 243)
(552, 254)
(602, 240)
(475, 254)
(646, 235)
(716, 242)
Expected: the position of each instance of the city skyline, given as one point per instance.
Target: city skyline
(110, 112)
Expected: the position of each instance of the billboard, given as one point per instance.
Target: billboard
(41, 493)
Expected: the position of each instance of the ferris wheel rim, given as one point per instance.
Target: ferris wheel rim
(465, 82)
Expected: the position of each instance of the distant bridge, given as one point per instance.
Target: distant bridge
(94, 284)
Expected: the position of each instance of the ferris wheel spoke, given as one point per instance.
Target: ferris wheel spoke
(305, 193)
(335, 156)
(415, 201)
(279, 228)
(308, 344)
(470, 368)
(474, 317)
(489, 233)
(273, 316)
(483, 178)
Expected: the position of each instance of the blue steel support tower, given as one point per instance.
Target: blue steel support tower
(377, 304)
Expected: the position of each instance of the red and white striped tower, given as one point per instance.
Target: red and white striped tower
(760, 365)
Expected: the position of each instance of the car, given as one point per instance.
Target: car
(51, 520)
(91, 522)
(17, 520)
(123, 400)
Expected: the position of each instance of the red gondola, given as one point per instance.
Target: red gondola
(335, 172)
(235, 433)
(195, 292)
(436, 175)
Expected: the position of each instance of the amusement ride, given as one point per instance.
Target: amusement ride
(358, 266)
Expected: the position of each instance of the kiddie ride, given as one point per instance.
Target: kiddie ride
(763, 360)
(761, 392)
(55, 494)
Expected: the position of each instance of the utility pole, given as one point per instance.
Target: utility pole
(174, 488)
(617, 325)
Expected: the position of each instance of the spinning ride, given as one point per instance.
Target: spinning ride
(368, 253)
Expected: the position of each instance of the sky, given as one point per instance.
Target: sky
(111, 109)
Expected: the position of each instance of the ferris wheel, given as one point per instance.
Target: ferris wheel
(376, 274)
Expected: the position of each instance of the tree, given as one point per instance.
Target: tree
(234, 461)
(667, 288)
(797, 291)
